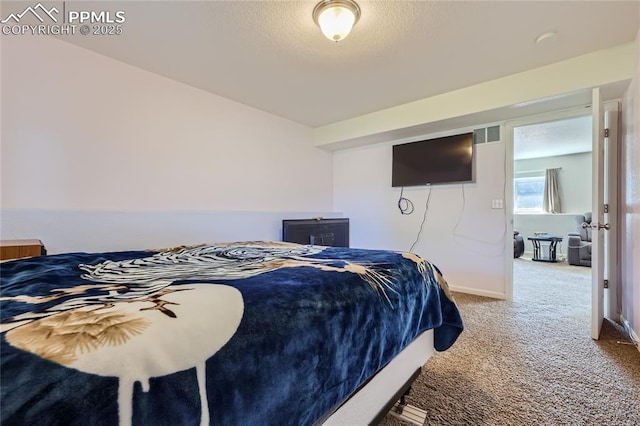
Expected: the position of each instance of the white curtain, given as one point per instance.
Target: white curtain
(551, 202)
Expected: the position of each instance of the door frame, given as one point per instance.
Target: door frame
(612, 111)
(598, 183)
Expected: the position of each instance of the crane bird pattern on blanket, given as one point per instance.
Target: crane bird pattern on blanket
(143, 317)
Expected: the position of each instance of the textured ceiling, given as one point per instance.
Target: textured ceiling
(271, 55)
(560, 137)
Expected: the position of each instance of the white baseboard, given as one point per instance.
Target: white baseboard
(632, 334)
(485, 293)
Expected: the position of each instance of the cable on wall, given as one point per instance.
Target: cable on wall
(492, 248)
(404, 204)
(424, 219)
(464, 201)
(499, 242)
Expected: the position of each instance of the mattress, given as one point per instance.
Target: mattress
(226, 334)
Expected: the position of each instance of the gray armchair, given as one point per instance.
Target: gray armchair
(579, 243)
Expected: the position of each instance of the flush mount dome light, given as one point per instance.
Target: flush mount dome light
(336, 17)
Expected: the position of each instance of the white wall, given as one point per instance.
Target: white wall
(575, 192)
(64, 231)
(629, 202)
(467, 244)
(574, 177)
(84, 133)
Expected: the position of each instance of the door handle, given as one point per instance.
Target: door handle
(598, 226)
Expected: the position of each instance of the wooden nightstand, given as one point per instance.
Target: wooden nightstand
(15, 249)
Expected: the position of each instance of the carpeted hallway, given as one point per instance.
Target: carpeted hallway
(532, 361)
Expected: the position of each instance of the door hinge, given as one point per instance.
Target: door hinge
(606, 283)
(606, 133)
(606, 208)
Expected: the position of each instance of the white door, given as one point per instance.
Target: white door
(597, 217)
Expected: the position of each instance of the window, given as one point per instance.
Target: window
(528, 193)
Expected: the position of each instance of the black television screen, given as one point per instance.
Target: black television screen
(321, 232)
(443, 160)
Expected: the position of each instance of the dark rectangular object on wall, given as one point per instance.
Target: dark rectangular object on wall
(442, 160)
(322, 232)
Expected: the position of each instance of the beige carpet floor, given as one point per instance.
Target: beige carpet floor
(532, 361)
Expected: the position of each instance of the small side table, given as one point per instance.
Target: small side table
(538, 253)
(15, 249)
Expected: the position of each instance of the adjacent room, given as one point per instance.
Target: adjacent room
(301, 212)
(552, 198)
(559, 150)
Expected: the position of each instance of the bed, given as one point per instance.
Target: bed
(243, 333)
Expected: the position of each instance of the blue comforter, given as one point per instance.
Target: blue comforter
(257, 333)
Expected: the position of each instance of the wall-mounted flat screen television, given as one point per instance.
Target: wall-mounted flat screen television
(320, 232)
(442, 160)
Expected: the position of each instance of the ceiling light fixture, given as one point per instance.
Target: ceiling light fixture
(336, 17)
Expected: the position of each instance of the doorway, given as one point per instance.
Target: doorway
(560, 141)
(557, 150)
(604, 163)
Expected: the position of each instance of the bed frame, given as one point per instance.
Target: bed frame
(371, 403)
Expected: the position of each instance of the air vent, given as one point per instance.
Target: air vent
(493, 134)
(486, 134)
(479, 136)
